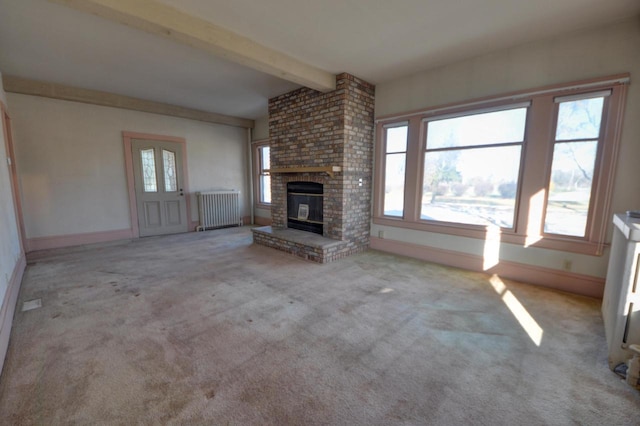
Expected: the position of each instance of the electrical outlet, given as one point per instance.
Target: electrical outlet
(381, 234)
(567, 265)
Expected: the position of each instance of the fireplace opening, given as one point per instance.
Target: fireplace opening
(304, 206)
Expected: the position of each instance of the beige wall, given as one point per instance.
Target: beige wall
(261, 129)
(71, 162)
(593, 53)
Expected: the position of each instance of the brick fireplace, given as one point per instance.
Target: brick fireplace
(325, 138)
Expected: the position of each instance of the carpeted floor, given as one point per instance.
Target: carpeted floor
(206, 328)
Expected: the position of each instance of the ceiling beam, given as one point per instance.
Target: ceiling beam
(160, 19)
(68, 93)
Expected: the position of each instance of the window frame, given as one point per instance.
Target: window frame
(535, 167)
(258, 172)
(597, 167)
(383, 170)
(494, 108)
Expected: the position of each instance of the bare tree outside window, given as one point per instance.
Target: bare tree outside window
(471, 168)
(573, 166)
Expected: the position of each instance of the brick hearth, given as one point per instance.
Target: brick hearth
(313, 129)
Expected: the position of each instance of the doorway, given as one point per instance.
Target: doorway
(158, 184)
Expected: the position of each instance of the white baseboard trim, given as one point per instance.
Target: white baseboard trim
(9, 307)
(58, 241)
(585, 285)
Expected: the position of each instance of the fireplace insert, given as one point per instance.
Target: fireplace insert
(304, 206)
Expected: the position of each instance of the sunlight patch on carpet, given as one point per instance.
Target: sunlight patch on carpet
(527, 322)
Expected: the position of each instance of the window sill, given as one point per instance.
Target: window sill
(565, 244)
(262, 206)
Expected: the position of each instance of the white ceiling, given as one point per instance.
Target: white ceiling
(377, 40)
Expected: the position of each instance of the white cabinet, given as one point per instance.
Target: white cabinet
(621, 301)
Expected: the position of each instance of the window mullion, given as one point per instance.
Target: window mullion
(413, 181)
(533, 182)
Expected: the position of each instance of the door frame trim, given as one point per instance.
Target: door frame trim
(128, 161)
(5, 123)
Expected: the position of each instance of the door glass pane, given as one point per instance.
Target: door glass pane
(475, 186)
(479, 129)
(579, 119)
(570, 188)
(149, 169)
(169, 160)
(394, 184)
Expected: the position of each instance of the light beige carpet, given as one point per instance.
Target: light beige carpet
(206, 328)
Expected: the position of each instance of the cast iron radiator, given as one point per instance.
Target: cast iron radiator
(218, 209)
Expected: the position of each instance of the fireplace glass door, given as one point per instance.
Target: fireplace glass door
(304, 206)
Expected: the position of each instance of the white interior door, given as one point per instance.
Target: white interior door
(158, 180)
